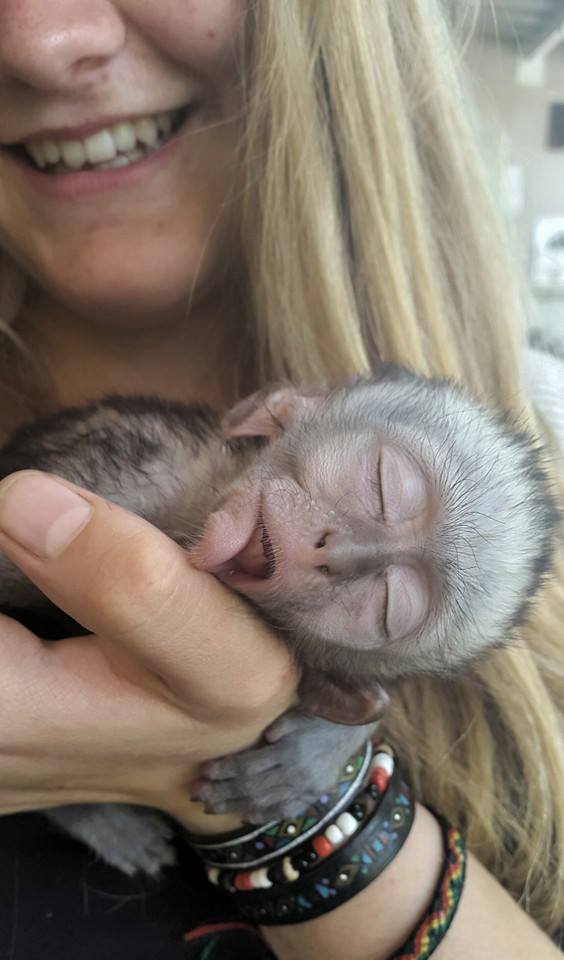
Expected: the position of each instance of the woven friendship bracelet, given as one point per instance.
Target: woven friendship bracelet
(431, 929)
(246, 849)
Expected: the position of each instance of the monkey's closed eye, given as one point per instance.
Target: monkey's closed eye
(377, 486)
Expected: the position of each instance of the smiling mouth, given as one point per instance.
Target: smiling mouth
(118, 145)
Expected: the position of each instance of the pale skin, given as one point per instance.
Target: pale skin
(162, 684)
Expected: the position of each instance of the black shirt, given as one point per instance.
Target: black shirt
(58, 902)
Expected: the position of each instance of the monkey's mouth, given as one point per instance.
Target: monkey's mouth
(250, 570)
(257, 558)
(237, 546)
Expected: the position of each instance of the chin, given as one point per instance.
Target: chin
(126, 307)
(138, 289)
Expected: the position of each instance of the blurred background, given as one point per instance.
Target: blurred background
(516, 73)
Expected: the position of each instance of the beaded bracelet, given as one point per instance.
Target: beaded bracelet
(324, 866)
(421, 943)
(431, 929)
(341, 874)
(332, 866)
(245, 849)
(372, 777)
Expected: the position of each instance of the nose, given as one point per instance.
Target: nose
(346, 555)
(58, 45)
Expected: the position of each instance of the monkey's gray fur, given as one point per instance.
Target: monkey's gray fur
(484, 548)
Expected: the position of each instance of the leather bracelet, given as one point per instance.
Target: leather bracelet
(325, 841)
(318, 877)
(245, 849)
(343, 873)
(301, 878)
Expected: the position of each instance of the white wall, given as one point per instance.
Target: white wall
(515, 131)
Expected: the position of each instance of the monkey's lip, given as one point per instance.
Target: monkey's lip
(236, 546)
(255, 560)
(257, 557)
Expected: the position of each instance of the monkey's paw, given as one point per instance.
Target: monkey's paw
(302, 758)
(132, 839)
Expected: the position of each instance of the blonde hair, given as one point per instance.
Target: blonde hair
(370, 232)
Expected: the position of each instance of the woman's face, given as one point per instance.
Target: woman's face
(91, 82)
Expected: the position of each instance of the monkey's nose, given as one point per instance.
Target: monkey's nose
(345, 555)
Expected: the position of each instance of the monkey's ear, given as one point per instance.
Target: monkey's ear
(267, 412)
(320, 695)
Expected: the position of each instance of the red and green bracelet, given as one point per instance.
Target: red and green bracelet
(431, 929)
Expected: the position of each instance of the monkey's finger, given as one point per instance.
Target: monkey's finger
(292, 722)
(275, 795)
(125, 581)
(280, 778)
(249, 761)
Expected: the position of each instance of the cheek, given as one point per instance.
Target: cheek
(17, 220)
(155, 245)
(202, 34)
(352, 614)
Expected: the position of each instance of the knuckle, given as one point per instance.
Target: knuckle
(224, 770)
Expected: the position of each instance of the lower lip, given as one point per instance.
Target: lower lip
(83, 183)
(245, 583)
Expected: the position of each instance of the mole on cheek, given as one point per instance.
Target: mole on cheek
(211, 34)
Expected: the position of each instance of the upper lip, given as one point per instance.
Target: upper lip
(267, 548)
(82, 130)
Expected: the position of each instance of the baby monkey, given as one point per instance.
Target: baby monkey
(387, 527)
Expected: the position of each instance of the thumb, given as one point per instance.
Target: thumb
(126, 581)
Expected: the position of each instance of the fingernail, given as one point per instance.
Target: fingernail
(41, 514)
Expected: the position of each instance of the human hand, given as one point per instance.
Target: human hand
(177, 669)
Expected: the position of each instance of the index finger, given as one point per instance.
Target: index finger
(123, 579)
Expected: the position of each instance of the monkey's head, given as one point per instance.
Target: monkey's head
(388, 527)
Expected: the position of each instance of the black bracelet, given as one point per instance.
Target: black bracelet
(247, 848)
(311, 869)
(281, 861)
(341, 875)
(334, 855)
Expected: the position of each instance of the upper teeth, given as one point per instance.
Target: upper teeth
(104, 145)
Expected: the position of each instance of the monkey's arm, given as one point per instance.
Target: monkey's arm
(138, 453)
